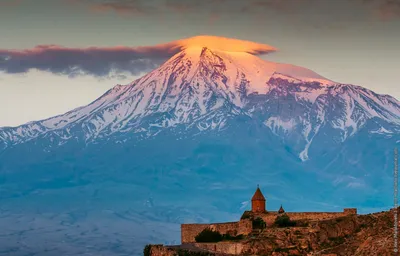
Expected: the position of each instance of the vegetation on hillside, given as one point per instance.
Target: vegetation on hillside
(284, 221)
(259, 223)
(210, 236)
(247, 215)
(147, 250)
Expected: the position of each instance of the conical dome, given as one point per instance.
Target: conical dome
(258, 196)
(258, 202)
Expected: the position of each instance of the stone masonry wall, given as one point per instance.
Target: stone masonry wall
(222, 247)
(245, 227)
(160, 250)
(270, 217)
(190, 231)
(350, 211)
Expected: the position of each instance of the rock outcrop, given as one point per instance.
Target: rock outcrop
(353, 235)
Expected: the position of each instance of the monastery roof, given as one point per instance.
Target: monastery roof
(258, 196)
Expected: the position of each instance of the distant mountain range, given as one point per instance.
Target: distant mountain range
(188, 142)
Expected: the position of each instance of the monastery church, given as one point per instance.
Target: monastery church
(258, 210)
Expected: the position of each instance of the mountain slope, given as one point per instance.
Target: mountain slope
(201, 88)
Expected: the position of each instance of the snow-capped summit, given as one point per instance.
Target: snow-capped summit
(220, 71)
(204, 88)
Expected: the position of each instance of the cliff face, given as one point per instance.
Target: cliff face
(370, 234)
(355, 235)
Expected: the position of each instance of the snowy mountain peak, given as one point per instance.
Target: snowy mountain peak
(235, 66)
(203, 89)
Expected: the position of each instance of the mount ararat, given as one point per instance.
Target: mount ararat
(188, 142)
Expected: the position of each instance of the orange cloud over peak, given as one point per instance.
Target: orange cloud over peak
(225, 44)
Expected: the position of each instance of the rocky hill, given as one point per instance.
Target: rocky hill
(370, 234)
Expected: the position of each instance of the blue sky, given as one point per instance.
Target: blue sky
(349, 41)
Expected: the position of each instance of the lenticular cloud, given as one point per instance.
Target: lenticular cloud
(226, 44)
(101, 61)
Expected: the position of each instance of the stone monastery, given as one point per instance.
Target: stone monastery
(258, 209)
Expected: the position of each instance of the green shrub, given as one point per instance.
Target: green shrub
(208, 236)
(281, 249)
(232, 238)
(360, 227)
(284, 221)
(146, 250)
(339, 219)
(337, 240)
(325, 245)
(246, 215)
(259, 223)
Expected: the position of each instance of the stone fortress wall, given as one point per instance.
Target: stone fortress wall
(244, 226)
(270, 217)
(190, 231)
